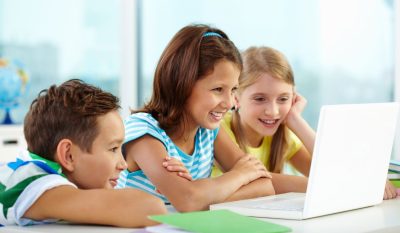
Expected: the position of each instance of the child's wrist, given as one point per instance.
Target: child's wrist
(240, 176)
(294, 119)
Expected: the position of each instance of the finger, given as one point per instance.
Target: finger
(169, 158)
(263, 173)
(174, 163)
(259, 165)
(185, 175)
(176, 168)
(171, 163)
(391, 190)
(385, 195)
(245, 159)
(268, 174)
(393, 193)
(388, 195)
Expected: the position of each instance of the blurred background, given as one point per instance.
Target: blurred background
(341, 51)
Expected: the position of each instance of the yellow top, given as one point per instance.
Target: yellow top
(263, 151)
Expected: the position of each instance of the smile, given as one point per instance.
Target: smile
(269, 122)
(217, 115)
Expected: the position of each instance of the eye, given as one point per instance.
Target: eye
(218, 89)
(114, 149)
(234, 90)
(283, 99)
(259, 99)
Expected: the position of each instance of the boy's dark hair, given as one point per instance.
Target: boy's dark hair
(189, 56)
(66, 111)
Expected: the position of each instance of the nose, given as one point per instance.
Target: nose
(122, 165)
(227, 101)
(272, 109)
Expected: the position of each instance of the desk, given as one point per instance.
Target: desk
(384, 217)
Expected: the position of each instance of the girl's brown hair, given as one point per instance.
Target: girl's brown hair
(190, 55)
(66, 111)
(257, 61)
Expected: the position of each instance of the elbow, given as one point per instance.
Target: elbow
(147, 206)
(191, 200)
(271, 191)
(268, 188)
(186, 207)
(155, 206)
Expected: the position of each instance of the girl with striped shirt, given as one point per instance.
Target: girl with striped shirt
(193, 88)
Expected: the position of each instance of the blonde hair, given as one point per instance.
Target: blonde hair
(258, 61)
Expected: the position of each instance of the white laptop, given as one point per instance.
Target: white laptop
(349, 165)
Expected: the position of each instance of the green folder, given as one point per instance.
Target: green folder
(396, 183)
(218, 221)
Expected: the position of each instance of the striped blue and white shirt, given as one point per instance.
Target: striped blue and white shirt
(199, 163)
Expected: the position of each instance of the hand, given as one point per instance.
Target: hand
(174, 165)
(298, 105)
(251, 168)
(390, 191)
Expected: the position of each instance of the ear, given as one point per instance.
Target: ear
(294, 99)
(64, 155)
(236, 99)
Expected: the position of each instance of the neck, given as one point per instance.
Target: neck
(253, 139)
(184, 139)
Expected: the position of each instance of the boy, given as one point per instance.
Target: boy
(74, 135)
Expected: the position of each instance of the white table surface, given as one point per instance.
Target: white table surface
(384, 217)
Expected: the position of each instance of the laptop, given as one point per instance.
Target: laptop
(348, 169)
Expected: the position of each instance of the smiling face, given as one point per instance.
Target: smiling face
(100, 167)
(263, 107)
(212, 96)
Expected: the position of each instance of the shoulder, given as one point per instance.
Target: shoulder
(141, 119)
(139, 124)
(294, 144)
(23, 185)
(292, 137)
(226, 121)
(226, 124)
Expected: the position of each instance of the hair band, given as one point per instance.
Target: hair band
(212, 34)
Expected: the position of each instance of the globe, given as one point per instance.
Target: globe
(13, 85)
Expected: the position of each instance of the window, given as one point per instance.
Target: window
(59, 40)
(341, 51)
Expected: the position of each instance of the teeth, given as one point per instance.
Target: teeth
(217, 114)
(270, 122)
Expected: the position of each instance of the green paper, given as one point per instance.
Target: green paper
(396, 183)
(217, 221)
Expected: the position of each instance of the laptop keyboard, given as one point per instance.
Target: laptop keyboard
(291, 204)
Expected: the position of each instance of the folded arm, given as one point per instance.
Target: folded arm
(228, 156)
(121, 207)
(149, 154)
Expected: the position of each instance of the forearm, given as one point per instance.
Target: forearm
(304, 132)
(204, 192)
(258, 188)
(123, 208)
(289, 183)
